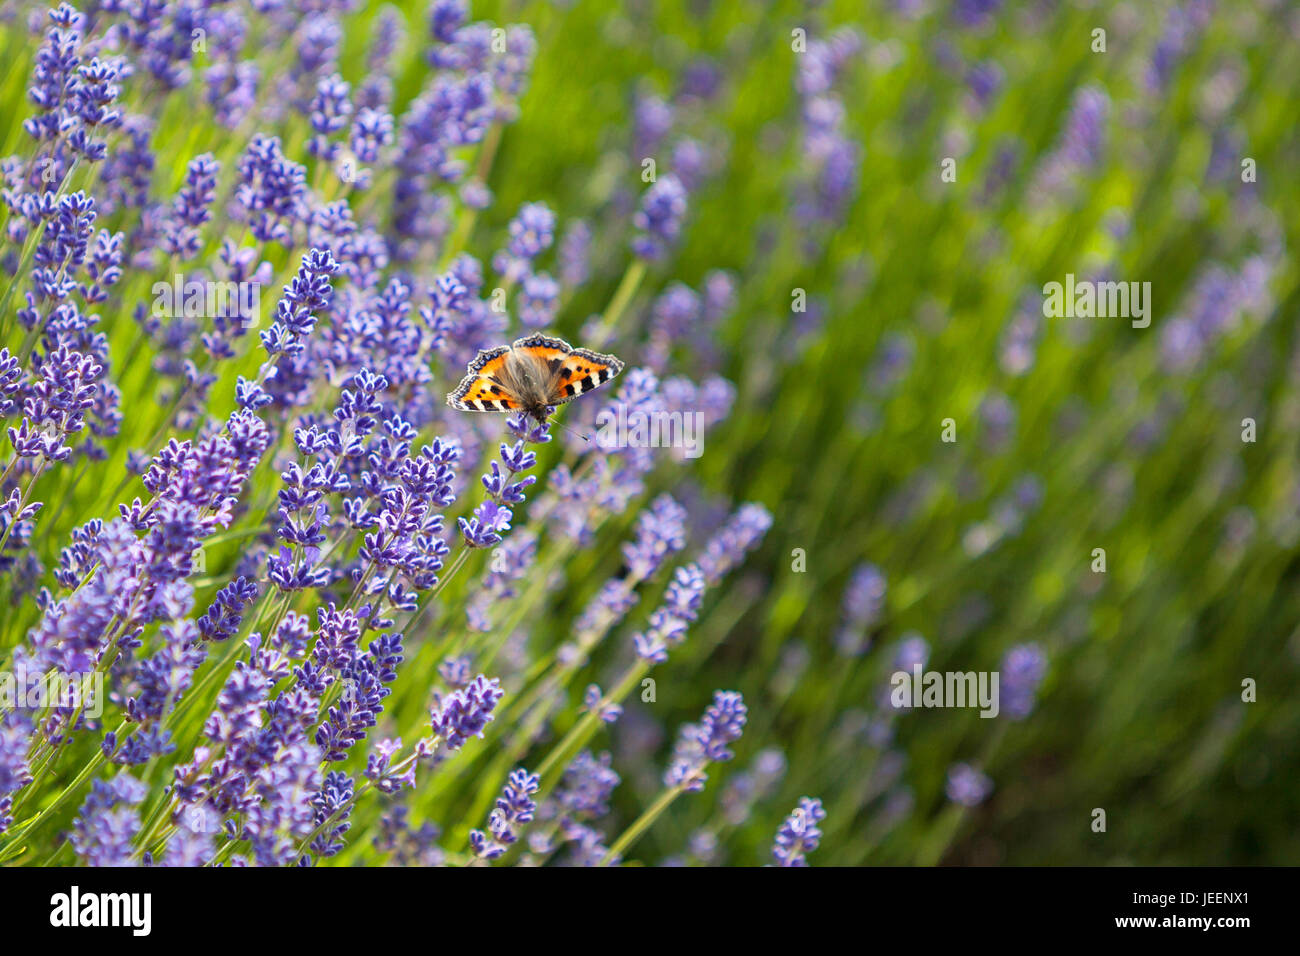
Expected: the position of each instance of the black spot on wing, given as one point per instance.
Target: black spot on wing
(614, 363)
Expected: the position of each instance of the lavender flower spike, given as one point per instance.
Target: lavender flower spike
(799, 834)
(466, 712)
(659, 220)
(514, 807)
(707, 742)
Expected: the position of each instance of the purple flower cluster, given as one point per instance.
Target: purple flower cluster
(514, 808)
(493, 516)
(108, 822)
(659, 219)
(699, 745)
(660, 531)
(799, 834)
(669, 622)
(1081, 143)
(863, 601)
(728, 547)
(15, 770)
(967, 786)
(325, 489)
(465, 712)
(830, 157)
(1023, 669)
(580, 800)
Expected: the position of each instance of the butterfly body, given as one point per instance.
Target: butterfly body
(533, 375)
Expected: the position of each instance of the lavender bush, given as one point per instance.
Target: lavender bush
(321, 618)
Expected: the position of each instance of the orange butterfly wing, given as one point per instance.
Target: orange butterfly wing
(576, 370)
(480, 391)
(582, 371)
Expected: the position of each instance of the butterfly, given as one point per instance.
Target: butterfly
(533, 374)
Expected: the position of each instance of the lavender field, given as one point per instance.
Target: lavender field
(912, 476)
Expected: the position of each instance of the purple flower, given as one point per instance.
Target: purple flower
(464, 713)
(798, 834)
(333, 801)
(745, 788)
(669, 622)
(226, 611)
(366, 677)
(192, 844)
(700, 79)
(493, 516)
(54, 78)
(71, 634)
(514, 808)
(659, 220)
(691, 162)
(371, 132)
(15, 771)
(60, 253)
(108, 823)
(484, 529)
(863, 600)
(1022, 669)
(997, 418)
(163, 678)
(967, 787)
(588, 783)
(532, 232)
(1020, 338)
(865, 595)
(1081, 143)
(574, 254)
(707, 742)
(728, 547)
(271, 190)
(593, 701)
(1183, 23)
(387, 776)
(660, 531)
(328, 114)
(975, 13)
(192, 207)
(446, 17)
(912, 651)
(830, 157)
(984, 79)
(652, 120)
(538, 300)
(309, 293)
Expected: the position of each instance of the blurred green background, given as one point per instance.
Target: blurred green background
(1141, 712)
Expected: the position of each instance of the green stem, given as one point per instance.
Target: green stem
(627, 288)
(642, 823)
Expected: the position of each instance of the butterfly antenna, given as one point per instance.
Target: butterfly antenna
(574, 431)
